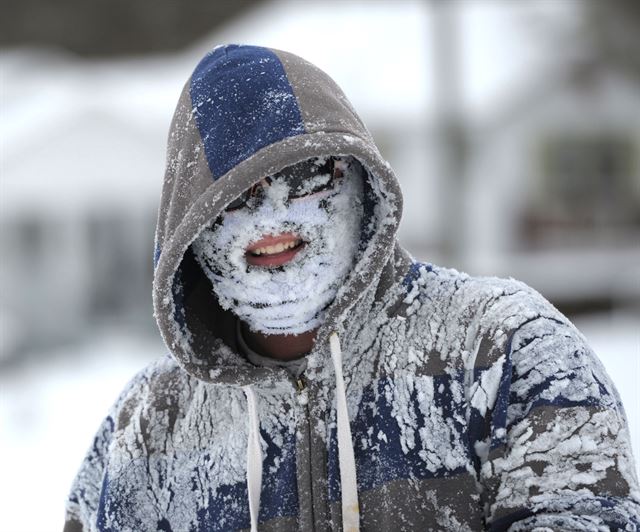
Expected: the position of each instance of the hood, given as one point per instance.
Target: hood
(247, 112)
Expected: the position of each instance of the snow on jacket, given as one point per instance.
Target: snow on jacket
(472, 402)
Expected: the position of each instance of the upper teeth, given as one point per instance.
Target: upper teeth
(277, 248)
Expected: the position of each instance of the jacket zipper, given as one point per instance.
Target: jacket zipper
(301, 387)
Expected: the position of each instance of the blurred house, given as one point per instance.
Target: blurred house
(549, 191)
(82, 166)
(554, 186)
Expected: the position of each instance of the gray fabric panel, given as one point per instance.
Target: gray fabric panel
(72, 526)
(425, 505)
(187, 173)
(392, 276)
(311, 464)
(303, 474)
(323, 105)
(279, 524)
(541, 420)
(318, 457)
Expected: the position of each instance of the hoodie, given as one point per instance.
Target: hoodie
(432, 400)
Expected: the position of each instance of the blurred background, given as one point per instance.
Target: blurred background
(514, 128)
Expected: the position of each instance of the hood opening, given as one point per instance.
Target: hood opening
(199, 316)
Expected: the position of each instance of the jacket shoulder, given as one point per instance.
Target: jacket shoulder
(480, 304)
(158, 392)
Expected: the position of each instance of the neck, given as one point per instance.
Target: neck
(279, 346)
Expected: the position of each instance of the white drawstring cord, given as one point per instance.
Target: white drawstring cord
(254, 458)
(348, 482)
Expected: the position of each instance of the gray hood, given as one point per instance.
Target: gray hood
(247, 112)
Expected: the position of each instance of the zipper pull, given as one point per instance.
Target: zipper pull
(302, 395)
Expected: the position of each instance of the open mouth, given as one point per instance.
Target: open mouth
(274, 250)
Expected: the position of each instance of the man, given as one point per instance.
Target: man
(319, 378)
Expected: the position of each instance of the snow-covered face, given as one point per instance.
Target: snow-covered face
(276, 262)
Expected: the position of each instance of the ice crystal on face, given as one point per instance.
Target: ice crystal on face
(288, 299)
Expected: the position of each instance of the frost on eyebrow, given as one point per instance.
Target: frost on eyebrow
(313, 182)
(309, 182)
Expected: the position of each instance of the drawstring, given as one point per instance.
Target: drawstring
(254, 458)
(350, 508)
(349, 485)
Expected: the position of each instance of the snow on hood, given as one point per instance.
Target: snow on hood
(247, 112)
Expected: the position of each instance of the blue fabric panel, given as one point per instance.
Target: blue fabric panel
(414, 273)
(563, 402)
(104, 496)
(113, 505)
(279, 497)
(388, 461)
(242, 101)
(228, 508)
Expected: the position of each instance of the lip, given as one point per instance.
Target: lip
(277, 259)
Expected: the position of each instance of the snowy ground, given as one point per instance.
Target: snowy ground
(51, 407)
(48, 414)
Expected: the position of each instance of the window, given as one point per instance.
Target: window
(586, 183)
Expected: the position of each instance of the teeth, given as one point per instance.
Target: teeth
(277, 248)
